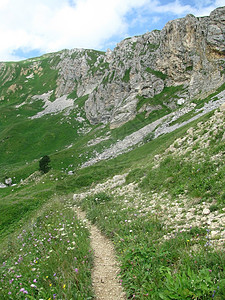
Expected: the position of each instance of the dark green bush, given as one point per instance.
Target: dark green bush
(44, 162)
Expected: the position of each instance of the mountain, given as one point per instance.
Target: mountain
(139, 128)
(143, 78)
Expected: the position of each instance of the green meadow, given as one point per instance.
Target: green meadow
(45, 250)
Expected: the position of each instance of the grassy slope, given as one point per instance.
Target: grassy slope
(185, 266)
(137, 162)
(49, 134)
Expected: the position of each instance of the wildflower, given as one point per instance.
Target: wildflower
(54, 274)
(9, 293)
(54, 296)
(76, 270)
(64, 286)
(35, 280)
(50, 284)
(210, 270)
(23, 290)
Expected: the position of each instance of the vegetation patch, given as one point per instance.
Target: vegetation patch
(168, 94)
(154, 268)
(202, 179)
(73, 95)
(156, 73)
(184, 118)
(49, 259)
(126, 77)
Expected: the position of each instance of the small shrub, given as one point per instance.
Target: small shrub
(190, 285)
(100, 198)
(149, 137)
(44, 162)
(213, 207)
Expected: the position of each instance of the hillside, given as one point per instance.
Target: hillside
(136, 138)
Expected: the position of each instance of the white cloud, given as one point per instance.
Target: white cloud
(52, 25)
(196, 7)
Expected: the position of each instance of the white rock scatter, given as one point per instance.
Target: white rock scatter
(56, 106)
(159, 127)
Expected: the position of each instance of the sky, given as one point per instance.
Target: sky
(30, 28)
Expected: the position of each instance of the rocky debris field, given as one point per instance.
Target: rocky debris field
(176, 215)
(159, 127)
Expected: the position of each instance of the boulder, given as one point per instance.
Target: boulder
(8, 181)
(206, 211)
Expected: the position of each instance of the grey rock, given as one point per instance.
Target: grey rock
(8, 181)
(189, 51)
(206, 211)
(2, 185)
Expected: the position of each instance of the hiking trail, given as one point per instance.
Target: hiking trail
(105, 272)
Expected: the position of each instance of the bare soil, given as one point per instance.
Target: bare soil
(105, 272)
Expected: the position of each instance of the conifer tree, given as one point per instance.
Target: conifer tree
(44, 162)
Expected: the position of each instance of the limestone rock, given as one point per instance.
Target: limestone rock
(222, 108)
(8, 181)
(188, 52)
(206, 211)
(214, 234)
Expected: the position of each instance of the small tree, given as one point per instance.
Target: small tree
(44, 164)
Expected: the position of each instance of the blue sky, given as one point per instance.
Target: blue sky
(30, 28)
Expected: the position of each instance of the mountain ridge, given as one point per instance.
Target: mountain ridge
(135, 137)
(187, 51)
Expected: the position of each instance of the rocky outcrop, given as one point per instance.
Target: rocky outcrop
(189, 51)
(155, 129)
(192, 52)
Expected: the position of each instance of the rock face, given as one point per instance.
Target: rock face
(192, 51)
(187, 52)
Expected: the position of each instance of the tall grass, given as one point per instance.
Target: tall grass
(49, 259)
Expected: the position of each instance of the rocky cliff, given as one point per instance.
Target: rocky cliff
(188, 53)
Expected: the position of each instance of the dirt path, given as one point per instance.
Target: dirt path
(104, 275)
